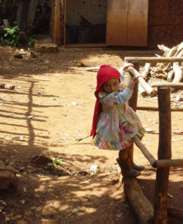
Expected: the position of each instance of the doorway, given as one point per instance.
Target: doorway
(85, 21)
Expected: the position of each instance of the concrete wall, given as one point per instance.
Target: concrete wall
(165, 22)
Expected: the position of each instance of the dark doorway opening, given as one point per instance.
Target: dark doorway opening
(85, 21)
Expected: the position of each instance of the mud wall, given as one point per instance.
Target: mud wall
(165, 22)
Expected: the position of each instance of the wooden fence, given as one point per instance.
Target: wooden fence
(145, 211)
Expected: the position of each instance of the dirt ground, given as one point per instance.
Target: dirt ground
(48, 111)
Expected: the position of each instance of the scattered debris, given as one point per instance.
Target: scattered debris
(7, 86)
(93, 169)
(24, 54)
(172, 72)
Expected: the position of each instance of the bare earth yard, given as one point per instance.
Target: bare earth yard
(49, 109)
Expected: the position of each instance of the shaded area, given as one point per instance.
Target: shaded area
(64, 61)
(175, 189)
(68, 199)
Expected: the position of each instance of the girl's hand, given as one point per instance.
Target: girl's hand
(126, 66)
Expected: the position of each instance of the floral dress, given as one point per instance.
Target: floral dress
(118, 123)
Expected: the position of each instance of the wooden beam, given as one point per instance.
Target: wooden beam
(145, 151)
(133, 103)
(164, 152)
(163, 163)
(56, 21)
(149, 108)
(174, 85)
(153, 59)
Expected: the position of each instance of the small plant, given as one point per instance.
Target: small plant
(13, 36)
(57, 162)
(10, 36)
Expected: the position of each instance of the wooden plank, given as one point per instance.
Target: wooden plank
(137, 25)
(116, 32)
(169, 163)
(96, 45)
(56, 21)
(164, 152)
(153, 59)
(149, 108)
(174, 85)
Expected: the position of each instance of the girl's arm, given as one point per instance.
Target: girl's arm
(117, 97)
(123, 96)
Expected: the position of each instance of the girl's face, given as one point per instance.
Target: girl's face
(111, 86)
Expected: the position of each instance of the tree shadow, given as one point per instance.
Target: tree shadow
(69, 199)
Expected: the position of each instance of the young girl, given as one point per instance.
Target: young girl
(114, 122)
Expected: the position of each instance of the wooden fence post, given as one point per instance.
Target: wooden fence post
(134, 98)
(164, 152)
(133, 103)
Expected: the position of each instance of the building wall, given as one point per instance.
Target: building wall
(165, 22)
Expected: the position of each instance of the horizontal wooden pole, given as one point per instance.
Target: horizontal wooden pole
(163, 163)
(145, 151)
(153, 59)
(148, 108)
(173, 85)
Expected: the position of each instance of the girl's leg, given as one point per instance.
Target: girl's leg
(125, 165)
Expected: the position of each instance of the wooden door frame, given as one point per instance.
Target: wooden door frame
(59, 36)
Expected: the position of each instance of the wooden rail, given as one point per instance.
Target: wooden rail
(132, 189)
(163, 163)
(173, 85)
(148, 108)
(153, 59)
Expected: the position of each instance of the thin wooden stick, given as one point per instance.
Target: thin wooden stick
(153, 59)
(174, 85)
(145, 151)
(148, 108)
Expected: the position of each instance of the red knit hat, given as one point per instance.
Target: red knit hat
(104, 74)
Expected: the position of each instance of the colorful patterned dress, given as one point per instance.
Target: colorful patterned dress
(118, 123)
